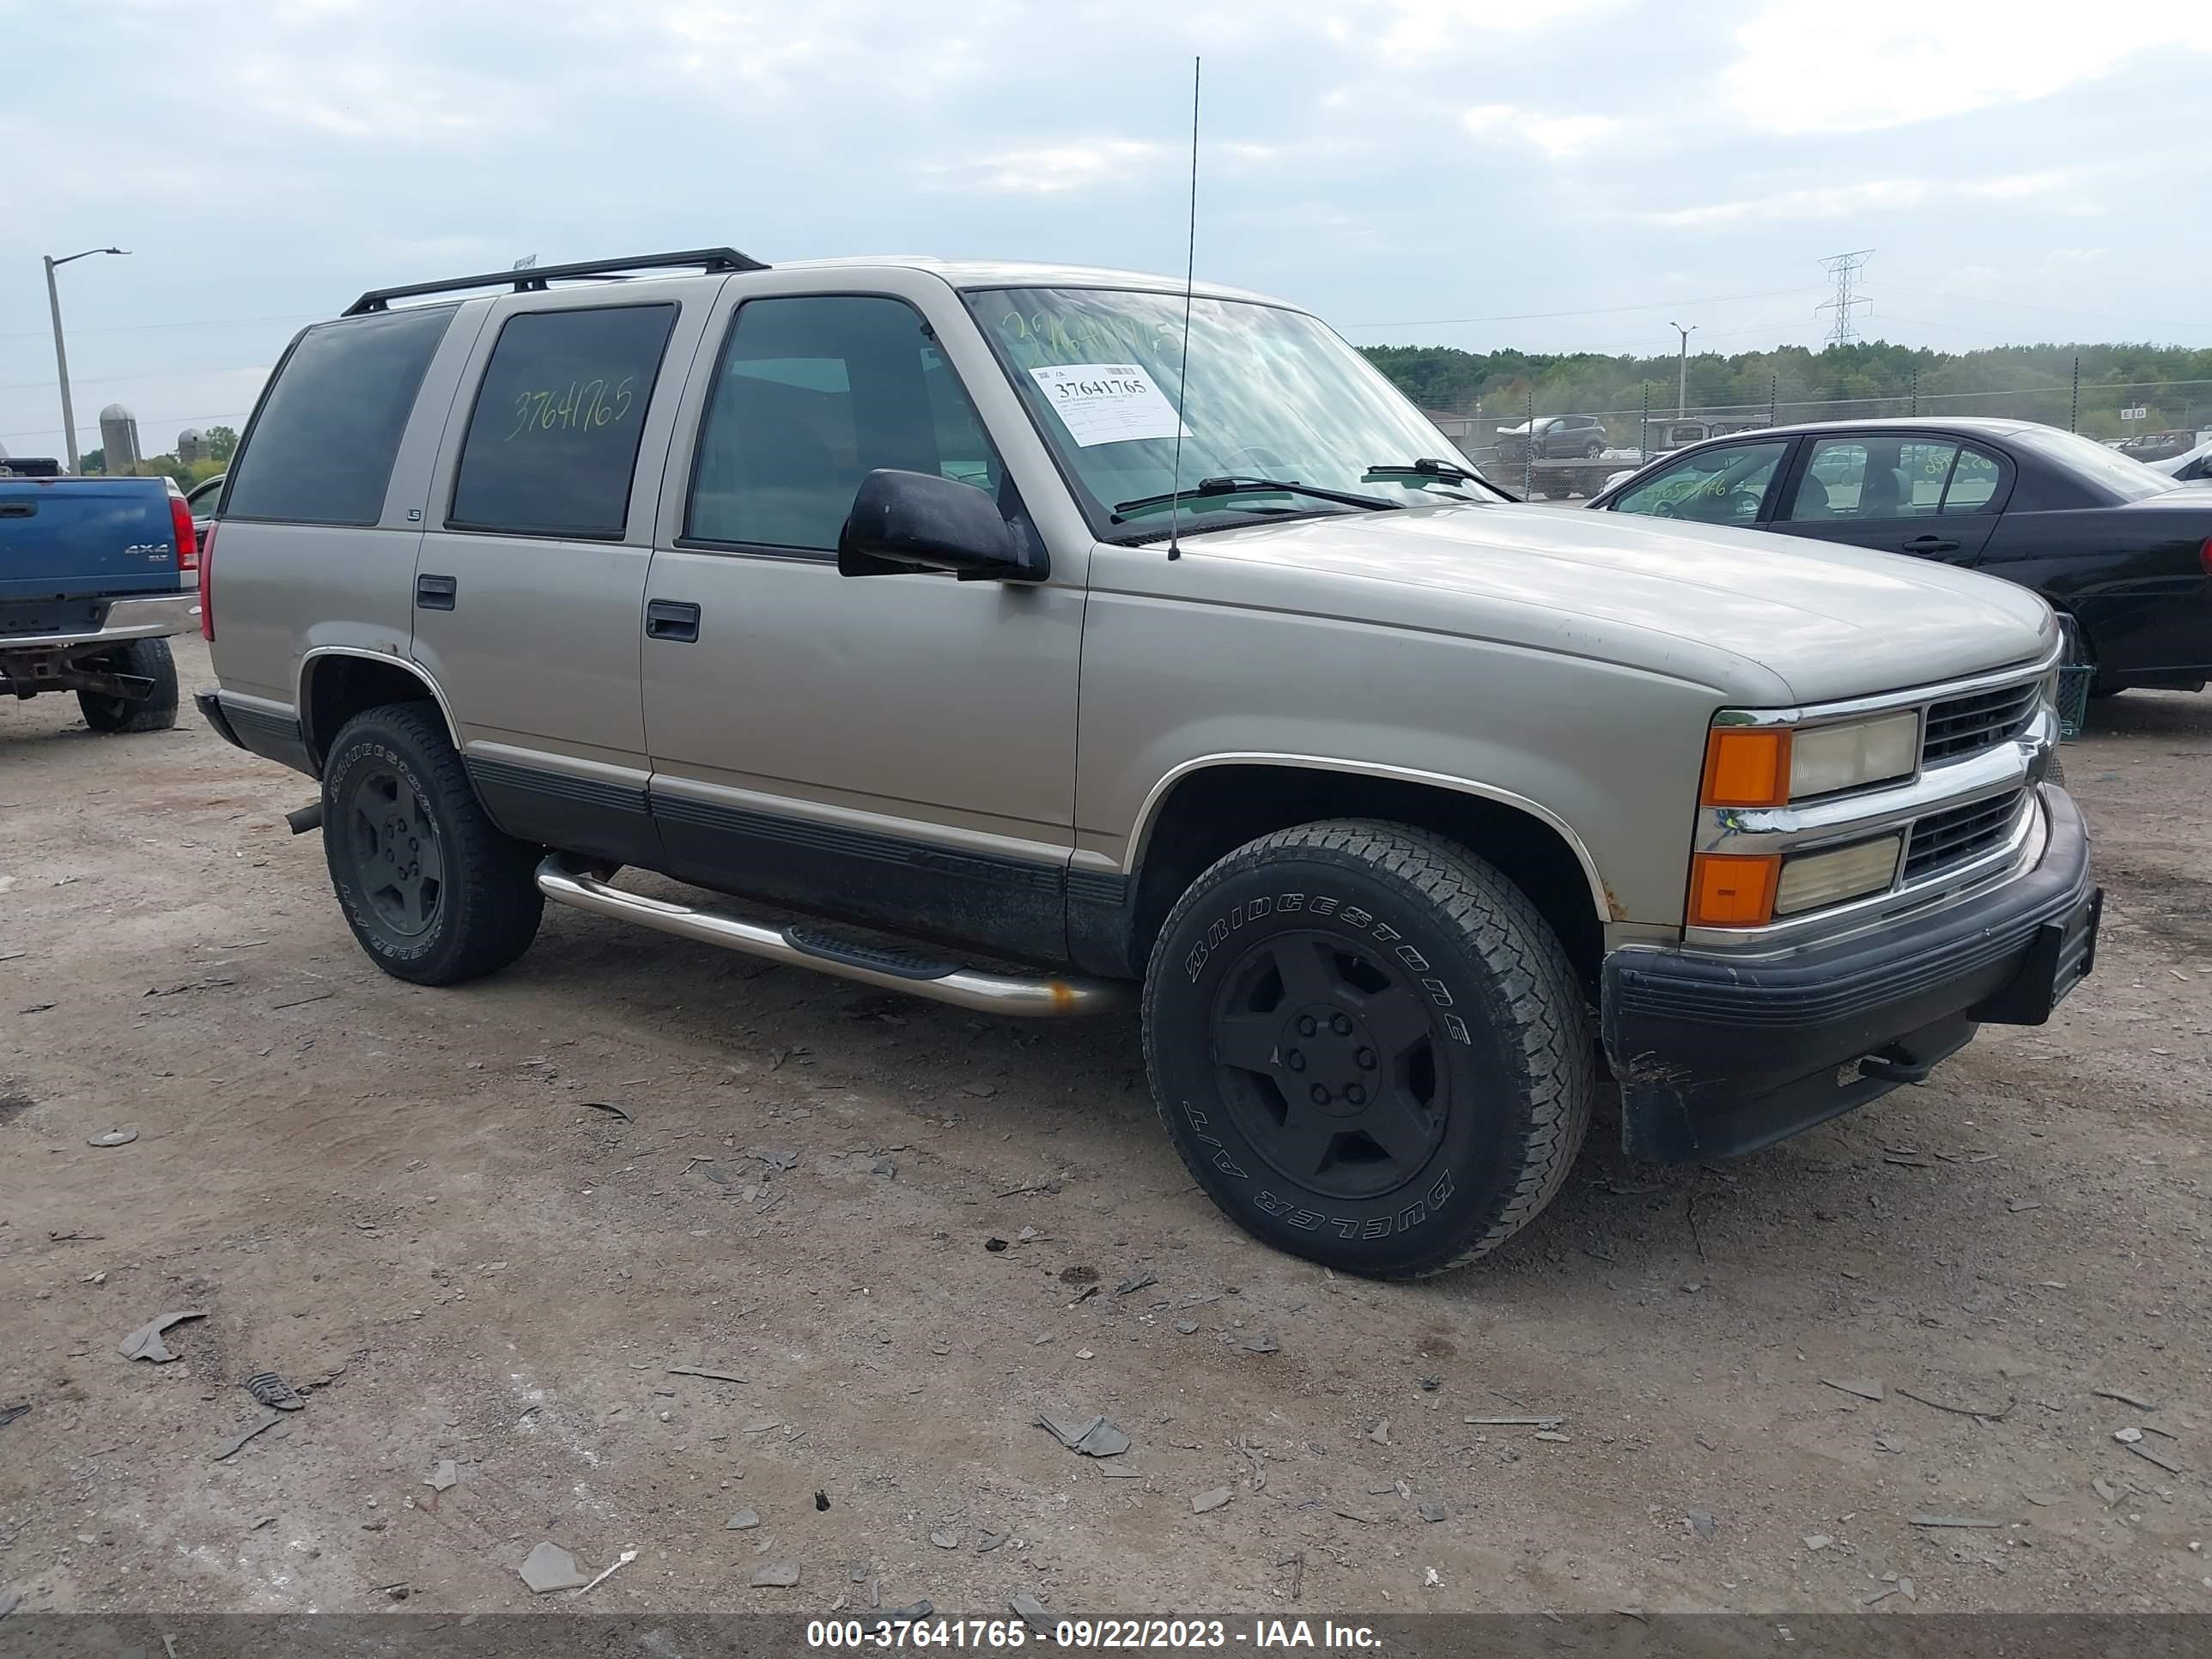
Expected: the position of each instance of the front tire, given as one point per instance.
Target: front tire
(1369, 1048)
(146, 660)
(433, 892)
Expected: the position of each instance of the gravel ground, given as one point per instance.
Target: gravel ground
(408, 1203)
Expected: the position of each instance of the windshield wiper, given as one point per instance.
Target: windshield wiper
(1209, 487)
(1428, 468)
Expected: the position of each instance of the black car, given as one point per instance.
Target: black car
(1558, 438)
(2124, 551)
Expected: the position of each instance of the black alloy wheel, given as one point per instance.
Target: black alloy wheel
(1327, 1058)
(393, 844)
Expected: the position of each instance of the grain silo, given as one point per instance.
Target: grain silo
(118, 438)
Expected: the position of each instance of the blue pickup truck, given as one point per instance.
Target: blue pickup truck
(96, 574)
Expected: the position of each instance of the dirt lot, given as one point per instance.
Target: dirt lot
(402, 1197)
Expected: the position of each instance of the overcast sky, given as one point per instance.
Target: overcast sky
(1553, 174)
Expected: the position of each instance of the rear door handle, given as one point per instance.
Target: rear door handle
(436, 592)
(672, 619)
(1931, 544)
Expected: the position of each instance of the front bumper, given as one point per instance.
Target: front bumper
(1718, 1056)
(156, 617)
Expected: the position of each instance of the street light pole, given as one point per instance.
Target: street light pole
(1682, 386)
(61, 353)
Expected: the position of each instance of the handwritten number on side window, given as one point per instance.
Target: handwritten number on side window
(580, 406)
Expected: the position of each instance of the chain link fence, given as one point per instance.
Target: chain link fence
(1535, 448)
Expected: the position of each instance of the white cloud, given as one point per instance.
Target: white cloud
(774, 50)
(1559, 135)
(1423, 26)
(1972, 279)
(1882, 196)
(365, 96)
(1802, 67)
(1050, 169)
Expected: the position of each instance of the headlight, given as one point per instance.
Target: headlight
(1854, 753)
(1810, 880)
(1774, 765)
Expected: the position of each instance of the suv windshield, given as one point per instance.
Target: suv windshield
(1273, 395)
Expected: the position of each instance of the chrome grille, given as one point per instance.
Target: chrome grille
(1966, 725)
(1960, 833)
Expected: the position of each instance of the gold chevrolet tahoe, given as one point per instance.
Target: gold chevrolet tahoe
(1056, 637)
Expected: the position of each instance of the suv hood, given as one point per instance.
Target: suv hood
(1761, 617)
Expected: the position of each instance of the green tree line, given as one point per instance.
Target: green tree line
(2173, 383)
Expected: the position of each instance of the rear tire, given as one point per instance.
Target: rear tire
(1370, 1048)
(147, 659)
(433, 892)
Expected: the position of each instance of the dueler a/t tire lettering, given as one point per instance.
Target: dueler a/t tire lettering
(433, 891)
(1369, 1047)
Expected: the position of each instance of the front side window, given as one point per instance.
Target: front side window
(1724, 485)
(1272, 396)
(552, 443)
(813, 394)
(321, 446)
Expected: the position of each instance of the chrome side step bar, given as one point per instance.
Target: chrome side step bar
(566, 881)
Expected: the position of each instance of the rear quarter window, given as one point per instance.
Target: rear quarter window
(321, 446)
(552, 442)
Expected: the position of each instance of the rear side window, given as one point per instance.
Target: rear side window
(1974, 481)
(321, 447)
(552, 443)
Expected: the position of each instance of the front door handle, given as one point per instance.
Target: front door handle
(672, 619)
(1931, 544)
(436, 592)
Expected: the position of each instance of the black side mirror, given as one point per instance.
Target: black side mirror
(908, 521)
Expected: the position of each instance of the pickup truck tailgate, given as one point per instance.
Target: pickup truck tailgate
(86, 538)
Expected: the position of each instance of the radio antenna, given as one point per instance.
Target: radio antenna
(1189, 280)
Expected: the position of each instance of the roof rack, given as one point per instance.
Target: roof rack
(533, 280)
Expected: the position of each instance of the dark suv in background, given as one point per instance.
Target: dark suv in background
(1558, 438)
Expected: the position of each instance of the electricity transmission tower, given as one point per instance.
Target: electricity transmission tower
(1843, 267)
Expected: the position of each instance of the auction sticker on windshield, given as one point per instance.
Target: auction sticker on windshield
(1106, 403)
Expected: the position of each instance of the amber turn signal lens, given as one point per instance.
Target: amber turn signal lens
(1729, 890)
(1747, 766)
